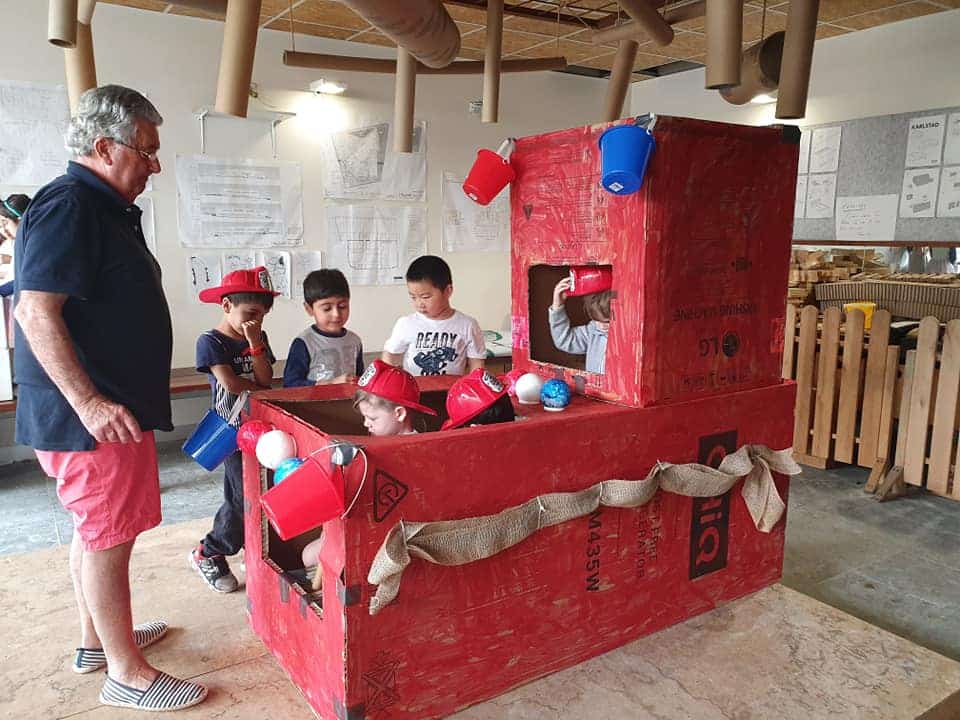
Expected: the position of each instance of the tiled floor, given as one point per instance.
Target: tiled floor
(895, 564)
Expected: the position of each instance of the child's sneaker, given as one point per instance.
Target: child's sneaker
(214, 570)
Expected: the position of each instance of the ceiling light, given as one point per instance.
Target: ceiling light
(328, 87)
(764, 99)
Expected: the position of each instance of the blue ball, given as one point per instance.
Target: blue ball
(285, 468)
(555, 394)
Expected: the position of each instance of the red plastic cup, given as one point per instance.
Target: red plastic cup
(308, 497)
(589, 279)
(489, 175)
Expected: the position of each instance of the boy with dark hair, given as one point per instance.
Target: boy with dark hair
(326, 352)
(237, 357)
(589, 339)
(436, 339)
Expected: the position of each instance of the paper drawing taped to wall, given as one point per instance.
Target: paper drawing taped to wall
(374, 245)
(239, 203)
(360, 164)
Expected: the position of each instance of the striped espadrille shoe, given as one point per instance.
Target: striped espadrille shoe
(90, 660)
(164, 694)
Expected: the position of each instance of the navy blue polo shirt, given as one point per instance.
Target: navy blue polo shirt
(80, 238)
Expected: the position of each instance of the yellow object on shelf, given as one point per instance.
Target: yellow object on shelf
(866, 307)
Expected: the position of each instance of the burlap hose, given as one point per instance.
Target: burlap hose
(457, 542)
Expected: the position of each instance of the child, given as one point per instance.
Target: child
(326, 352)
(478, 399)
(589, 339)
(386, 399)
(237, 357)
(436, 339)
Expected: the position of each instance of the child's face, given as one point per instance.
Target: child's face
(330, 314)
(380, 420)
(428, 299)
(241, 313)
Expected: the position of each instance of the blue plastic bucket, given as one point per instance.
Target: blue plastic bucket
(212, 441)
(624, 153)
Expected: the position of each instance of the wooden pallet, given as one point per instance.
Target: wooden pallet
(845, 386)
(857, 404)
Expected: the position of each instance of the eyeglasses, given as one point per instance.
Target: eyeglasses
(150, 157)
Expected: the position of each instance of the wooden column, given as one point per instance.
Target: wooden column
(321, 61)
(759, 70)
(403, 101)
(644, 14)
(236, 56)
(491, 62)
(78, 61)
(214, 7)
(619, 82)
(635, 31)
(62, 23)
(797, 58)
(724, 41)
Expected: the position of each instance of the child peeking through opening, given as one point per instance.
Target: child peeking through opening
(589, 339)
(478, 399)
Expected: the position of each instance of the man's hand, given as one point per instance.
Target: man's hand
(560, 292)
(253, 332)
(108, 421)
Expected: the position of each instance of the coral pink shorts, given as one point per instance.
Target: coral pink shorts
(112, 491)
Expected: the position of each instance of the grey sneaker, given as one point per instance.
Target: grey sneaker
(214, 570)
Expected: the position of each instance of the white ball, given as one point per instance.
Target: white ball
(528, 388)
(274, 447)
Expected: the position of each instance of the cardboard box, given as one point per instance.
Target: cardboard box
(699, 255)
(458, 635)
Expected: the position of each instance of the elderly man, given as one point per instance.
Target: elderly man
(93, 364)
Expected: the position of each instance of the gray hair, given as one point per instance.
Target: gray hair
(110, 111)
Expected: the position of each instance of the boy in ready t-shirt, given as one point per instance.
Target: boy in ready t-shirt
(436, 339)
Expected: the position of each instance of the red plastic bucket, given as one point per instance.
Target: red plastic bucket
(308, 497)
(489, 175)
(589, 279)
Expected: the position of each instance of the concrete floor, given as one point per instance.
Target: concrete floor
(783, 655)
(895, 565)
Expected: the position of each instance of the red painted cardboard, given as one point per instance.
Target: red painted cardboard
(456, 636)
(700, 258)
(700, 255)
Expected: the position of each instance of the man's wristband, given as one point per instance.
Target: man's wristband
(259, 350)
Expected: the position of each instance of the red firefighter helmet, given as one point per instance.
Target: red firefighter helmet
(393, 384)
(471, 395)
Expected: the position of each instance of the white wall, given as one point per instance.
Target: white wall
(174, 61)
(904, 66)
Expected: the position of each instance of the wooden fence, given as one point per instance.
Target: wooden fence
(861, 401)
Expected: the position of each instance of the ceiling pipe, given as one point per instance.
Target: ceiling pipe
(236, 56)
(619, 81)
(798, 42)
(490, 111)
(214, 7)
(78, 61)
(645, 15)
(403, 101)
(724, 43)
(759, 70)
(321, 61)
(634, 31)
(423, 27)
(62, 23)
